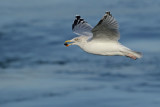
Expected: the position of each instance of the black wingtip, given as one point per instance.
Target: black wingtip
(74, 23)
(78, 16)
(108, 13)
(77, 21)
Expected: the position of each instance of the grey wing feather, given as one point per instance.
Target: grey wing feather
(81, 27)
(106, 29)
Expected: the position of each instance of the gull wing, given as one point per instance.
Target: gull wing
(106, 29)
(81, 27)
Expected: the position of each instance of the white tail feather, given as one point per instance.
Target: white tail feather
(132, 54)
(137, 54)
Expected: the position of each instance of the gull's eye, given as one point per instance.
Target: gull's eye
(76, 39)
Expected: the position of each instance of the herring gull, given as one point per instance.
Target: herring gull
(102, 39)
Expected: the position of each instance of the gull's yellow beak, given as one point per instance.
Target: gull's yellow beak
(66, 44)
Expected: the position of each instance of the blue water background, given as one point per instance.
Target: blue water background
(37, 70)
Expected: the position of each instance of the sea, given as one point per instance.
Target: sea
(37, 70)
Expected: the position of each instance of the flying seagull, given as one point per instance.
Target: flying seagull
(102, 39)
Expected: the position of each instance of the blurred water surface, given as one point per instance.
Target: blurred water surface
(37, 70)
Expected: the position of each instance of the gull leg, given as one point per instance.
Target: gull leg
(131, 56)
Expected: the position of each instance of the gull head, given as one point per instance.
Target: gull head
(76, 41)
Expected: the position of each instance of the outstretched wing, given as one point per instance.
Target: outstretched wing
(106, 29)
(81, 27)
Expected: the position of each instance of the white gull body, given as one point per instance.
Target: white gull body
(102, 39)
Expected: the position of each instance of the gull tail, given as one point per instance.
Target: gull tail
(130, 53)
(134, 55)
